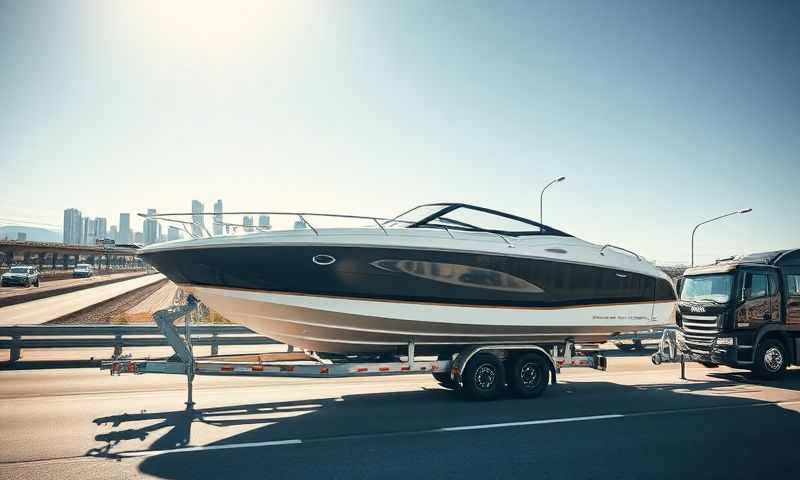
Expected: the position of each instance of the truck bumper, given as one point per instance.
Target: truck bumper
(673, 348)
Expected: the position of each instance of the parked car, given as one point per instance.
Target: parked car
(82, 270)
(21, 275)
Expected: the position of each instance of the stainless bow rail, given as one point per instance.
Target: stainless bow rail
(380, 222)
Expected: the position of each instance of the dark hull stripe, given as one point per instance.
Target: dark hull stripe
(407, 275)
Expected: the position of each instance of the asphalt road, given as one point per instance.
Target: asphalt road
(50, 308)
(634, 421)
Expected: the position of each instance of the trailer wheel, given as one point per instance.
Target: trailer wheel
(529, 375)
(483, 377)
(770, 360)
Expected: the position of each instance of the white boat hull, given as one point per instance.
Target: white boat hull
(350, 325)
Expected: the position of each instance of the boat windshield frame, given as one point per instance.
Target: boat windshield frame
(425, 222)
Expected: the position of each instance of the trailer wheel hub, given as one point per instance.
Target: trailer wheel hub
(529, 375)
(484, 377)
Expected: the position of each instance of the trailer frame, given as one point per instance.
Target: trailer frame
(293, 364)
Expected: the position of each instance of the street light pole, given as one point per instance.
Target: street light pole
(541, 196)
(744, 210)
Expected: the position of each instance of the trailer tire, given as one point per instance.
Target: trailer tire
(529, 375)
(770, 359)
(483, 377)
(446, 380)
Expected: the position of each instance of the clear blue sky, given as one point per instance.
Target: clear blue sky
(661, 114)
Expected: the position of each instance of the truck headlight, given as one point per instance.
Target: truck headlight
(725, 341)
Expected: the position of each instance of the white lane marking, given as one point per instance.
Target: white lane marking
(531, 422)
(151, 453)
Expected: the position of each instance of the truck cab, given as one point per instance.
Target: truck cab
(743, 312)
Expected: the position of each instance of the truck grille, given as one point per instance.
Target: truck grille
(699, 332)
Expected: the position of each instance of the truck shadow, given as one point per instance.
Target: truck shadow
(333, 427)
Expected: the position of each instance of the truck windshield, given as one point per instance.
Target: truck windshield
(18, 270)
(708, 288)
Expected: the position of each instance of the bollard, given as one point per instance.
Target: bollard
(16, 351)
(117, 346)
(214, 344)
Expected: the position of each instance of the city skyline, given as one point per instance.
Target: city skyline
(307, 114)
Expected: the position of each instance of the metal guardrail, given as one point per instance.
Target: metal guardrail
(119, 337)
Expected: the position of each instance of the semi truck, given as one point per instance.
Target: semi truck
(741, 312)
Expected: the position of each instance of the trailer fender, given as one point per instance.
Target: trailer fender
(464, 357)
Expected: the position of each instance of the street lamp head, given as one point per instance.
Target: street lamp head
(746, 210)
(561, 179)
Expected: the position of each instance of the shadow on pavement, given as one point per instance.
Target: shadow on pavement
(392, 434)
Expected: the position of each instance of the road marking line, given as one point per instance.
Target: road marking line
(531, 422)
(151, 453)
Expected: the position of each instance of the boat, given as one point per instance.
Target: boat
(443, 276)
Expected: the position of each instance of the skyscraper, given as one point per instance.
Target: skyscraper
(101, 229)
(247, 221)
(88, 232)
(218, 218)
(124, 232)
(73, 226)
(263, 222)
(150, 228)
(173, 233)
(198, 219)
(112, 233)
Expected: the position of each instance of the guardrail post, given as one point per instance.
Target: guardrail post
(214, 343)
(16, 351)
(118, 345)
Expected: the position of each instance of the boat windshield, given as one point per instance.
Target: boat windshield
(459, 216)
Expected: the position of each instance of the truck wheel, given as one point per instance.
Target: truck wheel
(483, 377)
(446, 380)
(529, 375)
(37, 283)
(770, 359)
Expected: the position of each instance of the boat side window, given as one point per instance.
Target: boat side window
(755, 285)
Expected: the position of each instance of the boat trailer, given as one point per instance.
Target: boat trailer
(311, 365)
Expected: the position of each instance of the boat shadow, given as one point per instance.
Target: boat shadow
(328, 425)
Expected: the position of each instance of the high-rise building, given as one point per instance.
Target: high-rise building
(73, 226)
(22, 236)
(263, 222)
(87, 231)
(124, 232)
(173, 233)
(101, 230)
(198, 219)
(112, 233)
(247, 221)
(299, 225)
(138, 237)
(218, 218)
(150, 228)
